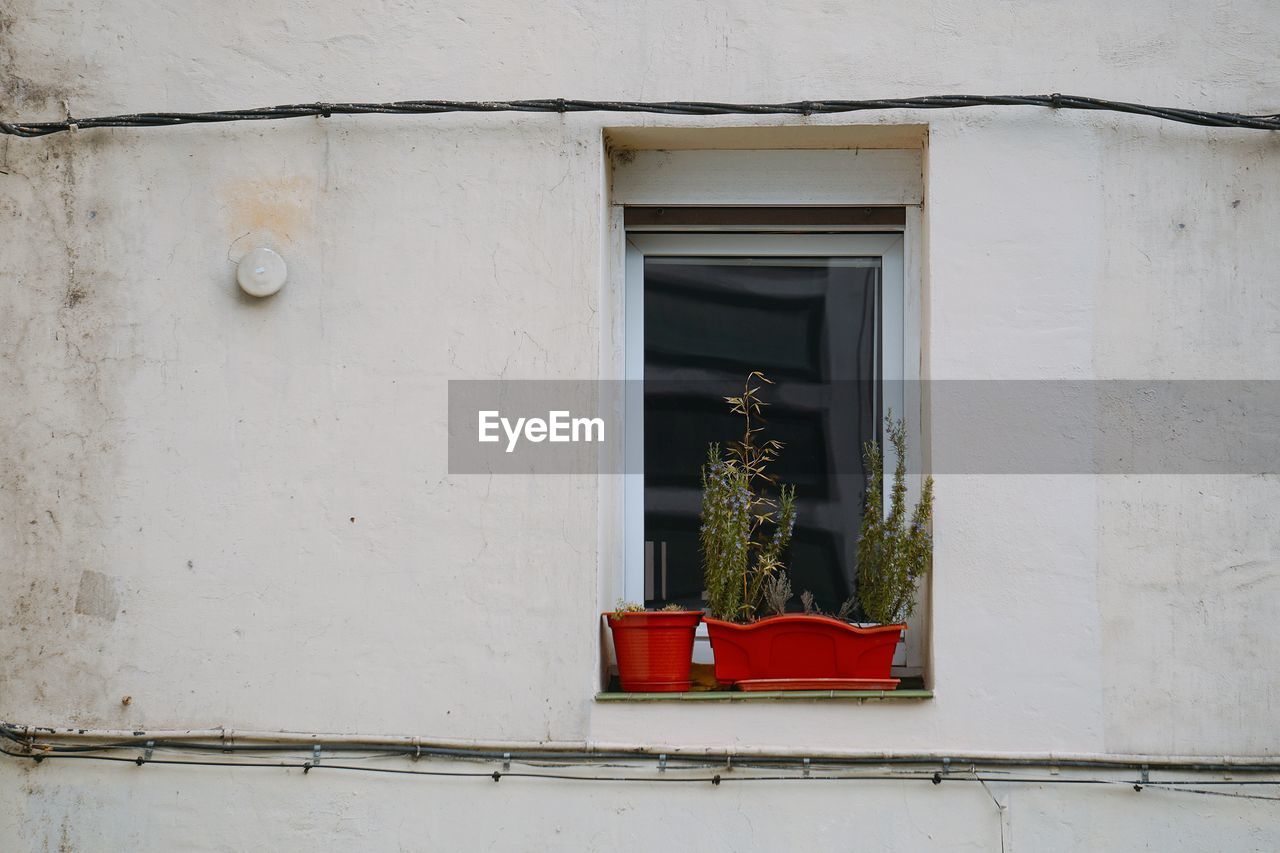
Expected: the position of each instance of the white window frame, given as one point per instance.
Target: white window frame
(899, 350)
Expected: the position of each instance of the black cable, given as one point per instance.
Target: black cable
(715, 779)
(18, 735)
(686, 108)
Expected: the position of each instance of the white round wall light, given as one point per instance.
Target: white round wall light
(261, 272)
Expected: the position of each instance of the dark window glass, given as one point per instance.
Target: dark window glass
(811, 326)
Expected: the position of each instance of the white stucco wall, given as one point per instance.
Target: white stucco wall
(238, 513)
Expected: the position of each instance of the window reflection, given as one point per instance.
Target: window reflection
(811, 326)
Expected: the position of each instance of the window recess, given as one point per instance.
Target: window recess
(802, 265)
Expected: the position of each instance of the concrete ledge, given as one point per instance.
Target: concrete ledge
(752, 696)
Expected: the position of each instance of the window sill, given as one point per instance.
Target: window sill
(766, 695)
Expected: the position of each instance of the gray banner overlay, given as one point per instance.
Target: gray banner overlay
(968, 426)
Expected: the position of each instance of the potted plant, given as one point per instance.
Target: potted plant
(654, 648)
(894, 552)
(747, 522)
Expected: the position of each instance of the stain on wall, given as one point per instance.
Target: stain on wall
(97, 596)
(280, 207)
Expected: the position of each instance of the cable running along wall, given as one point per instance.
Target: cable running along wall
(676, 108)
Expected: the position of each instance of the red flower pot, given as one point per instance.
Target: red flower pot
(809, 651)
(654, 649)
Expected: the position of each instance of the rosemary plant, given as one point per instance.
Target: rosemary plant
(744, 530)
(777, 592)
(893, 553)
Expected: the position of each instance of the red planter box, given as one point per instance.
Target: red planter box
(654, 649)
(813, 652)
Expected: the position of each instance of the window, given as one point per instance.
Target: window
(802, 264)
(821, 314)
